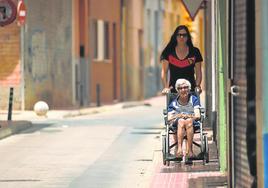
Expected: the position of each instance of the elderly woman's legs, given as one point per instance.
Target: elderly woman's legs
(190, 136)
(185, 124)
(180, 135)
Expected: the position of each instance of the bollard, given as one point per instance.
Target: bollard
(10, 104)
(98, 94)
(81, 95)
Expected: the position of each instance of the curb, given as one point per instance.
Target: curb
(9, 128)
(105, 108)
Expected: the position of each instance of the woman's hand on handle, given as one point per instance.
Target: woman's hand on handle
(198, 90)
(166, 90)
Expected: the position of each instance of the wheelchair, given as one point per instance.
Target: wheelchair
(198, 129)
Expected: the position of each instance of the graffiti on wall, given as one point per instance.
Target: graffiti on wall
(39, 58)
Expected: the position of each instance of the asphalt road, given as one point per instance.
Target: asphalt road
(111, 149)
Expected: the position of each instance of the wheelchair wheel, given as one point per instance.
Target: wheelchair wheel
(164, 149)
(168, 163)
(203, 145)
(205, 149)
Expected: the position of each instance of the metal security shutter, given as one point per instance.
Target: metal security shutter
(242, 177)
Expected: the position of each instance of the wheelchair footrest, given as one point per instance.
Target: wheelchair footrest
(171, 157)
(200, 156)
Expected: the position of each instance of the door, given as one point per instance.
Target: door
(242, 160)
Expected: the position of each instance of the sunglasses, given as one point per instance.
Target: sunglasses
(185, 87)
(182, 35)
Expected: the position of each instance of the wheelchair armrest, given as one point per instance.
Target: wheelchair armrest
(202, 113)
(202, 110)
(199, 119)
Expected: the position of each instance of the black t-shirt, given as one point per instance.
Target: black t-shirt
(183, 68)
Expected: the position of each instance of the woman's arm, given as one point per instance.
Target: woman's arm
(198, 73)
(164, 78)
(164, 73)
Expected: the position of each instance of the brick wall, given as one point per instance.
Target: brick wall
(10, 64)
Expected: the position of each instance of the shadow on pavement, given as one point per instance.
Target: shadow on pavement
(38, 127)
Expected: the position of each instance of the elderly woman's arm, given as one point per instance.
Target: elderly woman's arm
(172, 115)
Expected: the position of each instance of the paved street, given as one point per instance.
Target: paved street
(117, 147)
(110, 149)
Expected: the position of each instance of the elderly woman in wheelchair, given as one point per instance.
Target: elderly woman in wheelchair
(184, 117)
(183, 112)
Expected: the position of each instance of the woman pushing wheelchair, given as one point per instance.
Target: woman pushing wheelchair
(181, 72)
(183, 112)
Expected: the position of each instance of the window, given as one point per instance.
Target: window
(101, 39)
(94, 38)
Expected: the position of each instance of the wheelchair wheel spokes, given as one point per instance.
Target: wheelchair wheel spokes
(202, 137)
(167, 140)
(205, 149)
(165, 150)
(206, 154)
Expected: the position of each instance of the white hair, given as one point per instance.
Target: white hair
(182, 81)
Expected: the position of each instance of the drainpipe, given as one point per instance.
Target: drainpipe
(22, 83)
(264, 25)
(123, 50)
(213, 58)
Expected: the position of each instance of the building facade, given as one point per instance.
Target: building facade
(96, 51)
(35, 56)
(47, 54)
(101, 52)
(241, 52)
(67, 54)
(132, 50)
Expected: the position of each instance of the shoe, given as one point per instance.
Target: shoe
(190, 156)
(188, 160)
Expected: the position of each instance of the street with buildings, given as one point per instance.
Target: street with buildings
(96, 64)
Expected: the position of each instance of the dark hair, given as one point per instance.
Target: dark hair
(173, 41)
